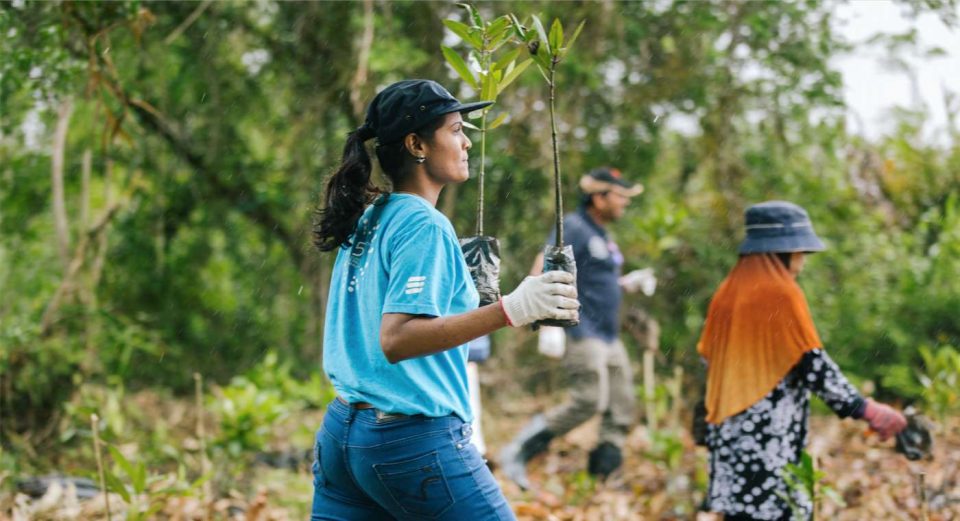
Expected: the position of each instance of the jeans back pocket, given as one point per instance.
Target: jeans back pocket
(418, 485)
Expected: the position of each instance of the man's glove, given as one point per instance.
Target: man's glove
(551, 342)
(551, 295)
(884, 420)
(639, 280)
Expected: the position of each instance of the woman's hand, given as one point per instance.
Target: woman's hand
(548, 296)
(883, 419)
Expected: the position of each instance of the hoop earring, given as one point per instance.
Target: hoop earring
(421, 159)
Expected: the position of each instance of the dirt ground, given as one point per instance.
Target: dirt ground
(663, 478)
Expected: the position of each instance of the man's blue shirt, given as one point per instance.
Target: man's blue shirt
(404, 258)
(599, 264)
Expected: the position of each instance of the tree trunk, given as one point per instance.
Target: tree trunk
(357, 100)
(60, 222)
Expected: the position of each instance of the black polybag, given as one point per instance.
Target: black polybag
(698, 427)
(482, 254)
(558, 259)
(915, 441)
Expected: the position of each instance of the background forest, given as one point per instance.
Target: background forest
(160, 163)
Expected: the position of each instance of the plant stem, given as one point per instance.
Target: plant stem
(924, 515)
(201, 435)
(94, 421)
(556, 154)
(485, 55)
(650, 389)
(676, 392)
(483, 153)
(815, 493)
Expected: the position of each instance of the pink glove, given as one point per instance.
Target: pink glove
(884, 420)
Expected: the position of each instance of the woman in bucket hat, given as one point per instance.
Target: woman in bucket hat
(395, 443)
(764, 357)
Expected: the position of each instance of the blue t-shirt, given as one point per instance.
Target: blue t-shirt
(404, 258)
(599, 264)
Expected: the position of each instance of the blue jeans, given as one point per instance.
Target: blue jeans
(371, 466)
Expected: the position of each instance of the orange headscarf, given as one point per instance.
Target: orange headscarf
(758, 327)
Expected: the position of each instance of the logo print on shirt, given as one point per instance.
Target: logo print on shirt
(415, 285)
(598, 248)
(359, 253)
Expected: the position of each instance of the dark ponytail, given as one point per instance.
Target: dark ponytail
(349, 191)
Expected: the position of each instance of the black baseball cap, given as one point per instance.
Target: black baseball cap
(607, 179)
(405, 106)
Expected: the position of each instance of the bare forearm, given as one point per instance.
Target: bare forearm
(407, 336)
(537, 267)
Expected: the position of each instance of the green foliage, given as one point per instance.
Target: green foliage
(491, 78)
(146, 493)
(205, 261)
(315, 392)
(941, 380)
(583, 487)
(666, 446)
(803, 478)
(247, 415)
(250, 407)
(108, 403)
(37, 376)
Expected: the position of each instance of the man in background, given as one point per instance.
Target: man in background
(595, 361)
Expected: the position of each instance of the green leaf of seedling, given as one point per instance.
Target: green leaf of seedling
(544, 69)
(122, 461)
(139, 478)
(488, 88)
(518, 28)
(471, 126)
(544, 62)
(807, 464)
(498, 121)
(459, 66)
(500, 25)
(154, 508)
(513, 74)
(556, 35)
(116, 486)
(834, 496)
(576, 34)
(498, 40)
(474, 15)
(544, 41)
(206, 477)
(506, 59)
(465, 33)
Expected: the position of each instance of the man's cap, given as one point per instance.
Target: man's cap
(406, 106)
(606, 179)
(779, 227)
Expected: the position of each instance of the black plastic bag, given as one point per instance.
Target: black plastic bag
(698, 428)
(915, 441)
(482, 254)
(558, 259)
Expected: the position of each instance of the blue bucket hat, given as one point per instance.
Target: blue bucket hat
(406, 106)
(779, 227)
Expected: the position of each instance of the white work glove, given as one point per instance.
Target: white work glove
(551, 295)
(639, 280)
(551, 342)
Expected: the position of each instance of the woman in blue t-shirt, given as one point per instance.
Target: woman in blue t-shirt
(395, 443)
